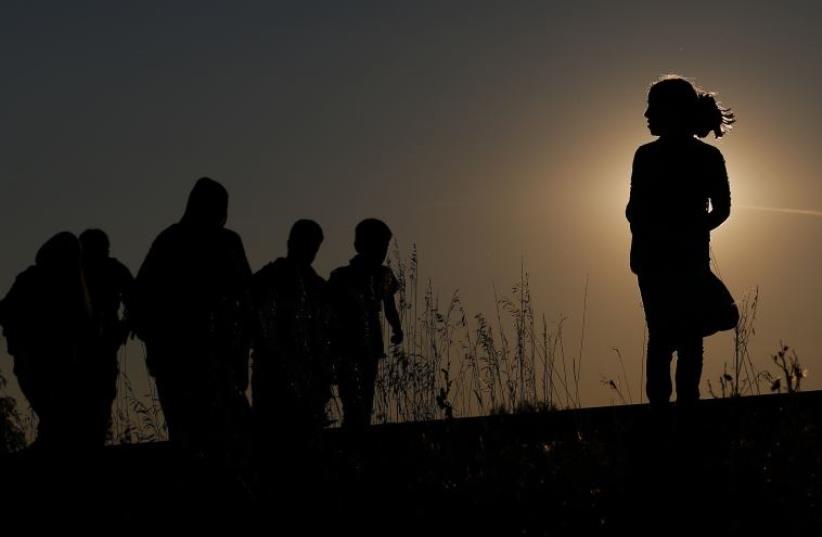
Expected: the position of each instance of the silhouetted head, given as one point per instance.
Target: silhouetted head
(677, 108)
(371, 239)
(94, 244)
(304, 241)
(207, 204)
(59, 253)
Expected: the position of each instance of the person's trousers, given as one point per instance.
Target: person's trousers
(671, 303)
(357, 380)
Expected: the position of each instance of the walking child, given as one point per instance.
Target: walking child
(358, 292)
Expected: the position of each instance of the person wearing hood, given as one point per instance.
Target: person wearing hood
(191, 309)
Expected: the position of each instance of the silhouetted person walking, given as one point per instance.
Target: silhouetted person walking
(291, 381)
(291, 373)
(47, 321)
(109, 284)
(191, 309)
(358, 293)
(679, 193)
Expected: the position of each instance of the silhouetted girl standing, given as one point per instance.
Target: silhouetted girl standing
(679, 193)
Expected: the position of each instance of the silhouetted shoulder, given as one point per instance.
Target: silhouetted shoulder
(282, 275)
(23, 283)
(644, 149)
(232, 238)
(284, 267)
(708, 148)
(269, 273)
(312, 275)
(339, 274)
(232, 241)
(166, 239)
(163, 245)
(17, 307)
(661, 151)
(119, 270)
(237, 260)
(716, 176)
(710, 151)
(341, 281)
(26, 278)
(316, 278)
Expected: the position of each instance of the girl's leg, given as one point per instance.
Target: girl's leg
(658, 385)
(688, 369)
(656, 297)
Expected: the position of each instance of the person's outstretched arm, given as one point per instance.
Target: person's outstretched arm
(393, 318)
(392, 286)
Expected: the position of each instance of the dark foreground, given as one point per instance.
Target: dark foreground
(728, 467)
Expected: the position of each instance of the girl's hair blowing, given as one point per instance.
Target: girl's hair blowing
(692, 106)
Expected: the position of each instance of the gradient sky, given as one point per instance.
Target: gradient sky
(484, 132)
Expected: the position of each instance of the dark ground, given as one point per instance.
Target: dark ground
(729, 467)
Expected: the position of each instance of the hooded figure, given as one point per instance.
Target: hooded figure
(46, 318)
(190, 307)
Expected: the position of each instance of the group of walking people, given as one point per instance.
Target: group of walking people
(205, 317)
(210, 326)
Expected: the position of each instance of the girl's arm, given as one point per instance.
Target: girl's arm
(633, 211)
(720, 195)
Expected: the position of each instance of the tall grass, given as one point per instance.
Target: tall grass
(456, 364)
(12, 428)
(136, 417)
(452, 363)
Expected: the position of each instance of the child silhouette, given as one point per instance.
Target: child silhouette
(675, 180)
(358, 292)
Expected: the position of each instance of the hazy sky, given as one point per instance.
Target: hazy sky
(484, 132)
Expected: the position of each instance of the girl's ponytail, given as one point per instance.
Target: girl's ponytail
(711, 117)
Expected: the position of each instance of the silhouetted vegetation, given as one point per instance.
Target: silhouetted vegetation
(12, 436)
(454, 364)
(136, 417)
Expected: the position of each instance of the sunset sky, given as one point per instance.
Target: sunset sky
(488, 133)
